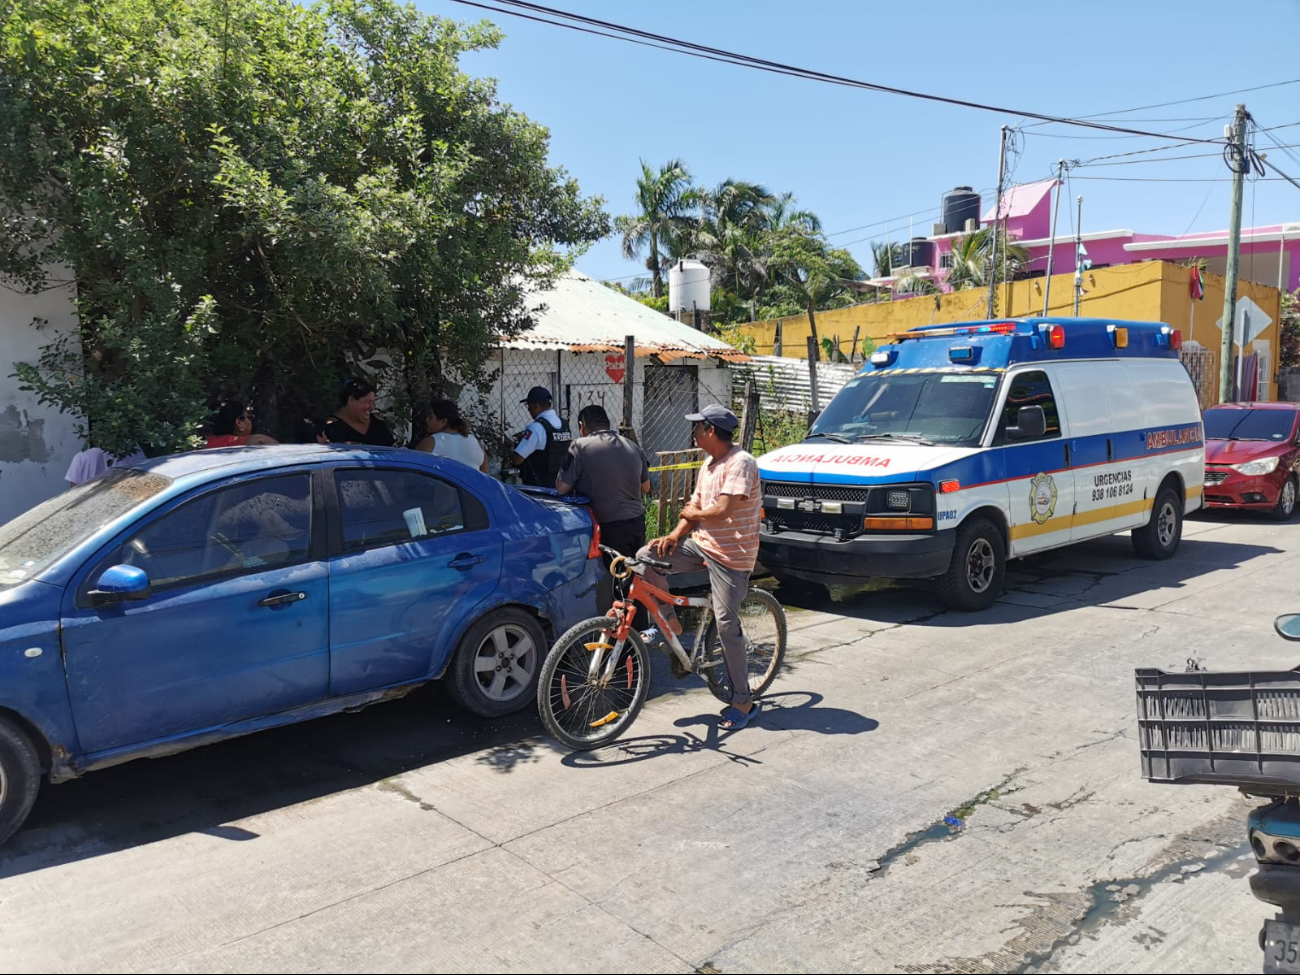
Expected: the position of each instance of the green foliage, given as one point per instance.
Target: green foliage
(1289, 342)
(258, 198)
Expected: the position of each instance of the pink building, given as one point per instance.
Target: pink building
(1266, 252)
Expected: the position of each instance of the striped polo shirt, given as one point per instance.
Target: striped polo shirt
(732, 541)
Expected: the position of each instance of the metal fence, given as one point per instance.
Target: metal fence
(1202, 366)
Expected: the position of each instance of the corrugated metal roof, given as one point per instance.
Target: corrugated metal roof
(582, 315)
(784, 383)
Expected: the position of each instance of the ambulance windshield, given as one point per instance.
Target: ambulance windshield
(928, 408)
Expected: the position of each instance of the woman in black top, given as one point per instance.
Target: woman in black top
(354, 421)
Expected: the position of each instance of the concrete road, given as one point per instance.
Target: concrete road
(410, 838)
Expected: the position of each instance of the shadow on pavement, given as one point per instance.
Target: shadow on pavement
(203, 790)
(785, 711)
(1100, 571)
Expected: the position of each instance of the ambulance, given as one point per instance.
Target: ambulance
(959, 447)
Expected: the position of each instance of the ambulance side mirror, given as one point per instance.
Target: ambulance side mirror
(1031, 422)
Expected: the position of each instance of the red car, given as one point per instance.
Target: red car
(1251, 457)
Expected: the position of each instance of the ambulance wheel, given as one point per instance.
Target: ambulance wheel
(1158, 539)
(979, 563)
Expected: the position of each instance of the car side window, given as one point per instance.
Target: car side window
(250, 525)
(1030, 388)
(385, 507)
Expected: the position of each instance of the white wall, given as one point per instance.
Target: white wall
(36, 442)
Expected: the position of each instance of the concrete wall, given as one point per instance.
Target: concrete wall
(1151, 291)
(36, 442)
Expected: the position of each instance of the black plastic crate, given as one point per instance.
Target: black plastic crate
(1234, 728)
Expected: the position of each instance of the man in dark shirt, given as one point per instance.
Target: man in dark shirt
(612, 471)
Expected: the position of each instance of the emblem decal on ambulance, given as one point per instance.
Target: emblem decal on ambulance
(1042, 498)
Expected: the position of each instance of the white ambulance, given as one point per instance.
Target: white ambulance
(959, 447)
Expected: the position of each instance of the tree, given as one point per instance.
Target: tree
(973, 259)
(257, 197)
(816, 272)
(1288, 356)
(885, 257)
(666, 205)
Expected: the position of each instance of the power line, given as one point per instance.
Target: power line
(603, 28)
(1183, 101)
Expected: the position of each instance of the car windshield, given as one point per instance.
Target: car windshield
(925, 408)
(37, 537)
(1272, 425)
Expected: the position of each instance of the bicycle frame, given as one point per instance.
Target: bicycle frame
(624, 611)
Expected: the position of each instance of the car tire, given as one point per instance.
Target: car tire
(1286, 500)
(20, 777)
(1158, 539)
(979, 564)
(497, 664)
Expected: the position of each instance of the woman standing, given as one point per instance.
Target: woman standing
(354, 421)
(447, 435)
(234, 427)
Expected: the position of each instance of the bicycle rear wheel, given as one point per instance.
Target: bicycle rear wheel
(582, 712)
(762, 624)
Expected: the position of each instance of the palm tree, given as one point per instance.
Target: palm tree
(885, 257)
(784, 213)
(817, 273)
(730, 236)
(666, 203)
(973, 254)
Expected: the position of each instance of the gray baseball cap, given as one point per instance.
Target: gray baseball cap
(715, 415)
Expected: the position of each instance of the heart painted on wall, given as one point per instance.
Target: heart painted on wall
(614, 367)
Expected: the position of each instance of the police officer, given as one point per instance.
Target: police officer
(612, 471)
(542, 450)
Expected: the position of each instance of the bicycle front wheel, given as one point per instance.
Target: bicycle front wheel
(586, 712)
(762, 624)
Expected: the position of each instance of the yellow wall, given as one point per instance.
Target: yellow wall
(1151, 291)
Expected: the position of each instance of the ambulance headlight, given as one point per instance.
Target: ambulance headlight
(899, 500)
(1255, 468)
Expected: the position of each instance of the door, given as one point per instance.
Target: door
(1110, 471)
(671, 392)
(235, 625)
(412, 555)
(1040, 473)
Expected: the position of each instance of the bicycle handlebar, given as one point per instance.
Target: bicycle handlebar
(631, 560)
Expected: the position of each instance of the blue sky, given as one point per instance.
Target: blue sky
(856, 157)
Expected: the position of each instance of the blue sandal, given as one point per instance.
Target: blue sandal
(733, 719)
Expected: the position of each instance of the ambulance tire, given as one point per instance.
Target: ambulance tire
(1158, 539)
(979, 564)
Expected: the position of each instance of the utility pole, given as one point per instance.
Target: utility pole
(1078, 264)
(991, 265)
(1051, 244)
(1238, 164)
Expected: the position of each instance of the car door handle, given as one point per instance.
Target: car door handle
(465, 561)
(281, 598)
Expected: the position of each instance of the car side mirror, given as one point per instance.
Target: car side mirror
(119, 583)
(1031, 422)
(1288, 627)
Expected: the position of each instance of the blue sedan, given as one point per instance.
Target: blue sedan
(201, 596)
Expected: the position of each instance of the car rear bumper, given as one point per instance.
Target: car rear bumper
(822, 558)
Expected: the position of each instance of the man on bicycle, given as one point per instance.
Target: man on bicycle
(718, 529)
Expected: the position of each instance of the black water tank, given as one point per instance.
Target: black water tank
(920, 252)
(959, 205)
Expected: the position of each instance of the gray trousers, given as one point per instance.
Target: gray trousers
(729, 587)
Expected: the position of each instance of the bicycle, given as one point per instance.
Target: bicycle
(597, 675)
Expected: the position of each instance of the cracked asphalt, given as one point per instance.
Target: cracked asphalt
(925, 792)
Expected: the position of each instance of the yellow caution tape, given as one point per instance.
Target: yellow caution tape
(677, 467)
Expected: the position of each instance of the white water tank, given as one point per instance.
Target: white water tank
(688, 287)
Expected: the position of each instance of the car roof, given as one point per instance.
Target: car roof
(236, 460)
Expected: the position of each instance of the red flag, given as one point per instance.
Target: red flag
(1198, 286)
